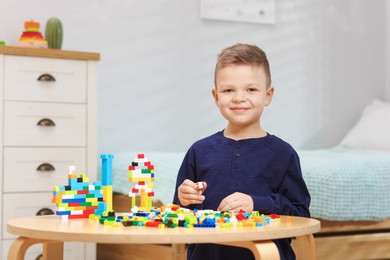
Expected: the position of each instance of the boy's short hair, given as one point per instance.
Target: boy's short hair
(243, 54)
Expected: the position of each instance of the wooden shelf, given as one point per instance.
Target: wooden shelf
(49, 53)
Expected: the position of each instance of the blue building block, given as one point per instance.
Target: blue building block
(60, 213)
(102, 206)
(73, 200)
(107, 169)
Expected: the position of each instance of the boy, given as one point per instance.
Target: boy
(242, 167)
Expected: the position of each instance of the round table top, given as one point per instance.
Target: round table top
(52, 227)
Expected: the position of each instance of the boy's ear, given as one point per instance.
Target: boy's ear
(269, 95)
(215, 94)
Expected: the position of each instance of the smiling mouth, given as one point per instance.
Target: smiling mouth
(239, 108)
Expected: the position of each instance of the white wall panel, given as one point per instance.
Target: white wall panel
(387, 51)
(157, 59)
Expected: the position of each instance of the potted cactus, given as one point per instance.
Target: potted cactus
(54, 33)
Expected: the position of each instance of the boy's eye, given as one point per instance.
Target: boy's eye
(227, 90)
(252, 89)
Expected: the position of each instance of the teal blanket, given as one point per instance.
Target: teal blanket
(347, 184)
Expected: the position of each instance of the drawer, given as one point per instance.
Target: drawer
(45, 79)
(39, 169)
(44, 124)
(72, 250)
(16, 205)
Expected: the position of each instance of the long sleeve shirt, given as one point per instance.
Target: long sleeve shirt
(267, 169)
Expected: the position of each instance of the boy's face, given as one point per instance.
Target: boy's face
(241, 94)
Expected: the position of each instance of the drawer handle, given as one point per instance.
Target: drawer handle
(45, 211)
(46, 122)
(46, 78)
(46, 167)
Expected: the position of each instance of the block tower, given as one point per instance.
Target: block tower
(107, 179)
(142, 171)
(32, 37)
(78, 199)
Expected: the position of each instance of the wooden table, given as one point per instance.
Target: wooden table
(53, 232)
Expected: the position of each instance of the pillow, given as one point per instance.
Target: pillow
(372, 131)
(379, 103)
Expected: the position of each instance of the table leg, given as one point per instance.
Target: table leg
(305, 247)
(179, 251)
(53, 250)
(19, 247)
(261, 249)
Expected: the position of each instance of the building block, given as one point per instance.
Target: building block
(106, 169)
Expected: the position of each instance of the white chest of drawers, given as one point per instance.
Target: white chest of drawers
(48, 121)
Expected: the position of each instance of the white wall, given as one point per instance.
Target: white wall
(354, 58)
(157, 58)
(387, 50)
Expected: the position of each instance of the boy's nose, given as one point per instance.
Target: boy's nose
(239, 96)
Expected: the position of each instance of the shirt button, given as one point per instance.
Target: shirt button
(235, 166)
(237, 155)
(238, 146)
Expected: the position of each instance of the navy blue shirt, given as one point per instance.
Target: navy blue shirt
(267, 169)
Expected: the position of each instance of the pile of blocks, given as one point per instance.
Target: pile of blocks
(173, 216)
(78, 199)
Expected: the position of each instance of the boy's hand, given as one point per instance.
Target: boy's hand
(236, 202)
(191, 193)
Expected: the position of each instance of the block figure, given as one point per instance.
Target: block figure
(141, 171)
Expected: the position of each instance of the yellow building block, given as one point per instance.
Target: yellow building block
(107, 196)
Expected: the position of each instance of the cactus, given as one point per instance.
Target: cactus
(54, 33)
